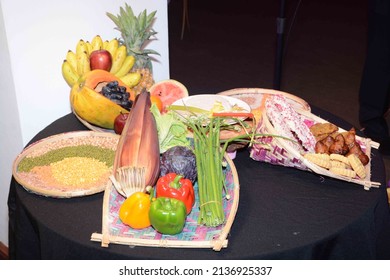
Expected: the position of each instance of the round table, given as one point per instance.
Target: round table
(284, 213)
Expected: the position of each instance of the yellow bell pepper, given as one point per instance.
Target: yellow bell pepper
(134, 211)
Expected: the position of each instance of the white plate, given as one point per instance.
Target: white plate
(207, 102)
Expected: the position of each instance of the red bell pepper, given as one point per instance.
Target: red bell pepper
(173, 185)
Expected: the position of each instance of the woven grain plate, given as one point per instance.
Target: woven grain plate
(43, 187)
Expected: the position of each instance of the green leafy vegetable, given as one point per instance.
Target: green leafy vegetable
(171, 131)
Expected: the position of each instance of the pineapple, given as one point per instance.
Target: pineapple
(136, 33)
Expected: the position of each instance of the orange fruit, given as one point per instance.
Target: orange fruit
(157, 100)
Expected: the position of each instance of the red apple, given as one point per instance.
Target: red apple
(100, 59)
(120, 122)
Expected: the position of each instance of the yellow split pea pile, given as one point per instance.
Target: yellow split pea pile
(75, 166)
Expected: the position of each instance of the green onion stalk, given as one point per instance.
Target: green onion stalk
(209, 162)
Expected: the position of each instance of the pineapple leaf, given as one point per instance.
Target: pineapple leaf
(114, 19)
(129, 11)
(151, 17)
(142, 20)
(149, 51)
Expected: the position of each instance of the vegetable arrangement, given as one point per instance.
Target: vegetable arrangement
(182, 163)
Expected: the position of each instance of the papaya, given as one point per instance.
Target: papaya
(93, 78)
(92, 106)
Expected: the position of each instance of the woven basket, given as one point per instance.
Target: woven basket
(279, 152)
(255, 97)
(48, 188)
(192, 236)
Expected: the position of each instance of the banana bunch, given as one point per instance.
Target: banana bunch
(77, 63)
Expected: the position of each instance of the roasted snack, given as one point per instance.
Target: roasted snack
(339, 146)
(354, 147)
(328, 141)
(357, 165)
(322, 130)
(321, 148)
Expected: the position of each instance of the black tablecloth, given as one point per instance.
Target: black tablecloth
(284, 213)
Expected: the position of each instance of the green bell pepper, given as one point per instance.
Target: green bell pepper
(168, 215)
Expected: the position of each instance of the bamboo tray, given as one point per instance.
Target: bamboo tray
(281, 153)
(45, 185)
(192, 236)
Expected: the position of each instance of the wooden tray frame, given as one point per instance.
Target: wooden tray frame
(217, 244)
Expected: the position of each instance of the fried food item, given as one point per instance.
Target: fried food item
(343, 172)
(339, 146)
(354, 147)
(321, 160)
(322, 130)
(357, 165)
(328, 141)
(321, 148)
(338, 157)
(339, 164)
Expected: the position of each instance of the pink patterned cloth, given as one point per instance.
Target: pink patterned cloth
(289, 123)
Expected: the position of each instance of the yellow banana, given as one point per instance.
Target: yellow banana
(89, 47)
(126, 66)
(83, 65)
(68, 72)
(131, 79)
(72, 60)
(118, 59)
(81, 47)
(105, 43)
(97, 43)
(112, 46)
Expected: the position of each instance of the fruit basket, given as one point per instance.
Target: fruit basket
(192, 236)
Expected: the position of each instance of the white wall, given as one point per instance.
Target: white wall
(35, 36)
(11, 135)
